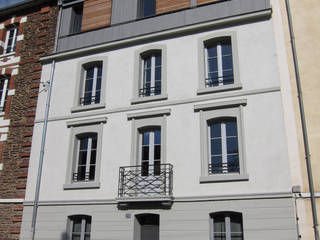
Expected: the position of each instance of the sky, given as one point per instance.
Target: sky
(5, 3)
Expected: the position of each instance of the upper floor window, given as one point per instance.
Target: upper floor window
(85, 165)
(151, 75)
(76, 18)
(91, 87)
(150, 82)
(4, 83)
(79, 227)
(223, 146)
(218, 63)
(11, 39)
(226, 226)
(146, 8)
(219, 67)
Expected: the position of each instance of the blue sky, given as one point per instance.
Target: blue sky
(5, 3)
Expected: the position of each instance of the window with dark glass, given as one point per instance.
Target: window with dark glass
(146, 8)
(80, 227)
(151, 75)
(219, 66)
(226, 226)
(11, 39)
(76, 18)
(223, 146)
(4, 83)
(91, 87)
(85, 166)
(150, 152)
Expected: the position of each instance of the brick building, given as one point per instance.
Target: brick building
(27, 31)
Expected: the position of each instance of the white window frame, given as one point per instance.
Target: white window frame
(208, 113)
(84, 221)
(4, 93)
(95, 67)
(83, 128)
(80, 80)
(14, 41)
(227, 221)
(203, 44)
(139, 73)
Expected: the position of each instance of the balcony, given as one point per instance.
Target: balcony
(145, 183)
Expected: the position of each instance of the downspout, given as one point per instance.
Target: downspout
(303, 123)
(44, 129)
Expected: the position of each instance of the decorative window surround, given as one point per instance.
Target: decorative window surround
(79, 227)
(208, 113)
(80, 83)
(79, 129)
(138, 74)
(148, 120)
(205, 41)
(11, 39)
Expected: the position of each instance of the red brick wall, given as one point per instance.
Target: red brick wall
(163, 6)
(96, 14)
(39, 32)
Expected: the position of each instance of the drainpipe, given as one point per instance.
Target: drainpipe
(44, 129)
(303, 123)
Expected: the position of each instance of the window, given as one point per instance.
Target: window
(79, 227)
(222, 142)
(223, 146)
(91, 92)
(76, 18)
(146, 226)
(85, 166)
(150, 82)
(90, 84)
(11, 39)
(226, 226)
(85, 153)
(4, 83)
(218, 63)
(151, 75)
(146, 8)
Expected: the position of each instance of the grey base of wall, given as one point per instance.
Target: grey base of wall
(263, 219)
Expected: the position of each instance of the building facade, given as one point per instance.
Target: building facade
(167, 120)
(27, 32)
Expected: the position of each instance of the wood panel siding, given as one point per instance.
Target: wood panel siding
(96, 14)
(164, 6)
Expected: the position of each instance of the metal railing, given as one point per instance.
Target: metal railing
(134, 182)
(150, 91)
(89, 100)
(77, 177)
(220, 168)
(215, 81)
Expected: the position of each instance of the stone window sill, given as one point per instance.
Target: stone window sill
(87, 107)
(149, 99)
(224, 178)
(81, 185)
(223, 88)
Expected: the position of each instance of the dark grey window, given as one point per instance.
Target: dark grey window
(85, 166)
(146, 227)
(223, 142)
(226, 226)
(91, 87)
(79, 227)
(146, 8)
(11, 39)
(219, 66)
(76, 18)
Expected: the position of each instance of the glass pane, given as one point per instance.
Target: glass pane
(98, 86)
(94, 141)
(88, 226)
(232, 145)
(233, 163)
(219, 236)
(219, 224)
(149, 7)
(99, 71)
(216, 148)
(145, 169)
(157, 137)
(227, 62)
(226, 47)
(228, 77)
(147, 62)
(236, 224)
(84, 143)
(212, 65)
(76, 225)
(213, 79)
(145, 138)
(158, 73)
(75, 237)
(157, 152)
(87, 237)
(212, 51)
(231, 127)
(82, 157)
(93, 157)
(92, 172)
(215, 130)
(147, 75)
(145, 153)
(157, 89)
(90, 72)
(81, 173)
(158, 60)
(156, 167)
(216, 164)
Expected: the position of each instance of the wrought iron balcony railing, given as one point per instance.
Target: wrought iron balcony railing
(221, 168)
(89, 100)
(215, 81)
(150, 91)
(134, 182)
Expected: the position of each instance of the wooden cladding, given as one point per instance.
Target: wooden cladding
(164, 6)
(96, 14)
(200, 2)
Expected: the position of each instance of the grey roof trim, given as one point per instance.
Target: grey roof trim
(101, 47)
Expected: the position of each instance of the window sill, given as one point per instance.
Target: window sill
(224, 178)
(2, 114)
(87, 107)
(149, 99)
(81, 185)
(7, 54)
(223, 88)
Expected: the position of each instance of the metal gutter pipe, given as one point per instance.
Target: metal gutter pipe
(44, 129)
(303, 123)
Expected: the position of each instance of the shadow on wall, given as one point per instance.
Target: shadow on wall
(64, 236)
